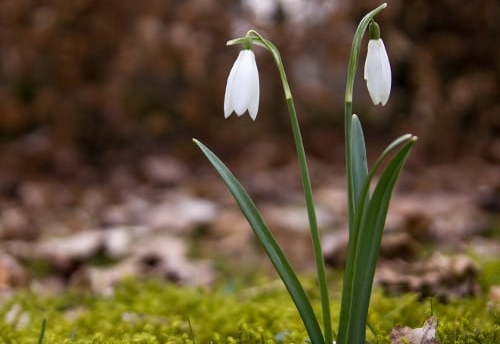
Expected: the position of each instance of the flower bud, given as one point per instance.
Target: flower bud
(242, 88)
(377, 68)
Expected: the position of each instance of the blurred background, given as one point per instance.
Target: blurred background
(99, 101)
(92, 76)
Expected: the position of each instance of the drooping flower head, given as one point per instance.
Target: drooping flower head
(242, 88)
(377, 67)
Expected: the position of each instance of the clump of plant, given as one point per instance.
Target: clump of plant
(367, 203)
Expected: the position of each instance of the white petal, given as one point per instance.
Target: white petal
(237, 92)
(254, 91)
(228, 99)
(242, 89)
(378, 72)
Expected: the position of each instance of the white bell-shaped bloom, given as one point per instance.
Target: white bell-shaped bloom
(242, 89)
(378, 72)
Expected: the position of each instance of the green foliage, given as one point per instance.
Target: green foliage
(489, 273)
(270, 245)
(366, 212)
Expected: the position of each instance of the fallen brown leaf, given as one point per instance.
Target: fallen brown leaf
(420, 335)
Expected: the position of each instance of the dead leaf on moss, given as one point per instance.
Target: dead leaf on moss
(494, 299)
(440, 276)
(494, 294)
(12, 273)
(421, 335)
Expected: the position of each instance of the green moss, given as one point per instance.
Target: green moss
(459, 321)
(152, 312)
(490, 273)
(155, 312)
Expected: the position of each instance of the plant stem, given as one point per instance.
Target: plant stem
(270, 246)
(315, 236)
(42, 331)
(347, 287)
(306, 184)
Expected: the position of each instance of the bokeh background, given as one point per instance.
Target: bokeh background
(92, 76)
(99, 101)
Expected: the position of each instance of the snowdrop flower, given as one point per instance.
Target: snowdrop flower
(242, 89)
(377, 68)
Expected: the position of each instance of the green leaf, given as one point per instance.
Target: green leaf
(270, 246)
(360, 201)
(369, 223)
(359, 165)
(357, 179)
(42, 331)
(399, 141)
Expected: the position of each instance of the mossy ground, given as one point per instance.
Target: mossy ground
(154, 312)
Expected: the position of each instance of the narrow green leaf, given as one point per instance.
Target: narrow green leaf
(270, 246)
(359, 165)
(357, 179)
(379, 204)
(348, 314)
(351, 72)
(370, 222)
(348, 162)
(399, 141)
(42, 331)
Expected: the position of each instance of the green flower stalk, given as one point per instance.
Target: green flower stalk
(367, 209)
(306, 182)
(367, 212)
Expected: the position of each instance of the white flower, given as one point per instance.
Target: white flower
(378, 72)
(242, 89)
